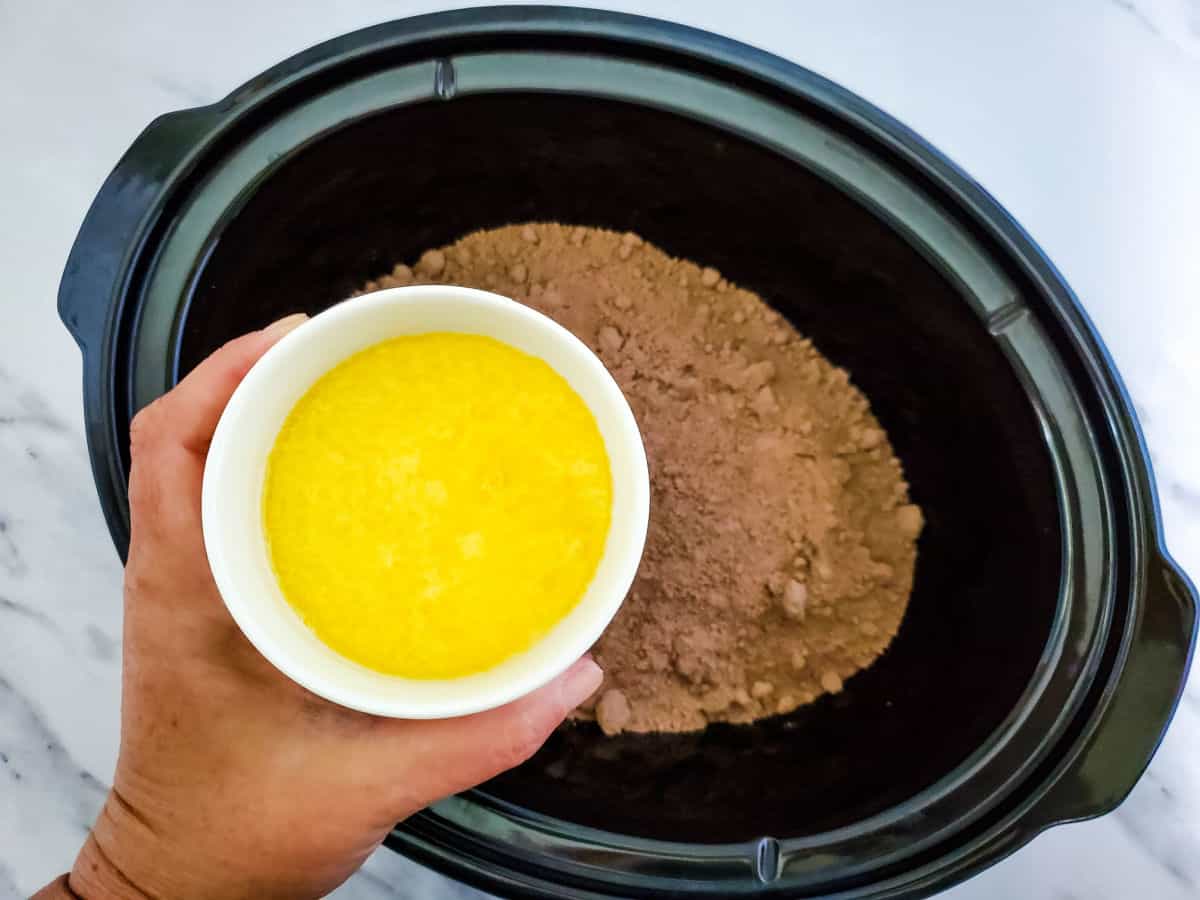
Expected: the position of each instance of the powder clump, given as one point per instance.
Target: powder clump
(782, 540)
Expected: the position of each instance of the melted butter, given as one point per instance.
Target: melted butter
(436, 504)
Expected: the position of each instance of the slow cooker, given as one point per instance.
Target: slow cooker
(1049, 633)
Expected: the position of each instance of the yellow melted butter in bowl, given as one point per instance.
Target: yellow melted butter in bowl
(436, 503)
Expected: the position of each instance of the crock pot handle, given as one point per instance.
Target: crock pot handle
(1141, 707)
(125, 208)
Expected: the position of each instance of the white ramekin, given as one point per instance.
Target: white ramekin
(236, 466)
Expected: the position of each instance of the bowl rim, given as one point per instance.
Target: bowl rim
(552, 654)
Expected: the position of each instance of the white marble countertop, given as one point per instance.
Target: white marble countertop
(1081, 116)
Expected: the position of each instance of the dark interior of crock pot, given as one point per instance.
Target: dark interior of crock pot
(383, 189)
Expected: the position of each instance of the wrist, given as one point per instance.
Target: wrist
(58, 889)
(102, 871)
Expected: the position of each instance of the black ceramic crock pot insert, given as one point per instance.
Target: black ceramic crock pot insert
(1040, 568)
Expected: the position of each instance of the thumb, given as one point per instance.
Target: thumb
(168, 442)
(441, 757)
(191, 409)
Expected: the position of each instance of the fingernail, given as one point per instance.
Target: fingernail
(581, 682)
(284, 325)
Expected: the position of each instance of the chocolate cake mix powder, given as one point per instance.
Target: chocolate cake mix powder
(782, 541)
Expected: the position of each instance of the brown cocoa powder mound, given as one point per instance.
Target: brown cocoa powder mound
(782, 542)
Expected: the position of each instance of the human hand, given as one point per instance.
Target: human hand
(232, 780)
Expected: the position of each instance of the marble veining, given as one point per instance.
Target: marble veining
(1175, 21)
(1079, 115)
